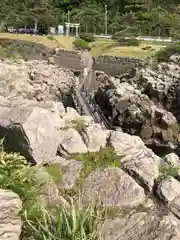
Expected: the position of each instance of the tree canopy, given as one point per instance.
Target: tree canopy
(150, 17)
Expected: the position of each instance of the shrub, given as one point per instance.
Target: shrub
(164, 54)
(88, 37)
(133, 42)
(122, 41)
(81, 44)
(50, 37)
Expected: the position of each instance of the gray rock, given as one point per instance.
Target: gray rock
(113, 188)
(141, 226)
(172, 159)
(125, 144)
(95, 137)
(71, 142)
(136, 114)
(69, 169)
(50, 195)
(143, 167)
(141, 163)
(10, 221)
(32, 131)
(71, 114)
(168, 191)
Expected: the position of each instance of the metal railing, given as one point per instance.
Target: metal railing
(87, 106)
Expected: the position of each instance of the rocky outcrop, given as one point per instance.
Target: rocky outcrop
(161, 84)
(131, 186)
(10, 221)
(139, 161)
(30, 131)
(129, 180)
(142, 226)
(114, 188)
(125, 106)
(34, 80)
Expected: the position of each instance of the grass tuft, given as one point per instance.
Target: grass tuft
(97, 160)
(72, 222)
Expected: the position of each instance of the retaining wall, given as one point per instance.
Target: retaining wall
(110, 65)
(71, 59)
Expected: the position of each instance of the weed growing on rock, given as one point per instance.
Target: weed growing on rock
(93, 160)
(72, 222)
(169, 170)
(164, 54)
(79, 124)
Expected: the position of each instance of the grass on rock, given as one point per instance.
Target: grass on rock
(169, 170)
(78, 124)
(76, 222)
(106, 157)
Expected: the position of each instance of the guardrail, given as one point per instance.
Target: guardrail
(144, 38)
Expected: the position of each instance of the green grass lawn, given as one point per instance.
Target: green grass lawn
(111, 48)
(99, 47)
(66, 42)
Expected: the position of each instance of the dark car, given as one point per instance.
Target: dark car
(25, 31)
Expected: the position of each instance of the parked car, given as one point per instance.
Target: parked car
(22, 30)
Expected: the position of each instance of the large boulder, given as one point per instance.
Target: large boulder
(70, 142)
(139, 161)
(32, 131)
(113, 188)
(10, 221)
(142, 225)
(95, 137)
(168, 191)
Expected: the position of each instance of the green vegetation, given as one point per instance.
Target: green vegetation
(11, 49)
(121, 41)
(79, 125)
(128, 17)
(80, 44)
(88, 37)
(75, 222)
(164, 54)
(97, 160)
(169, 170)
(133, 42)
(113, 48)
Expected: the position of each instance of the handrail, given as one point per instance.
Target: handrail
(89, 107)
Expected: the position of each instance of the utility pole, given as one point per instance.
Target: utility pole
(105, 20)
(68, 16)
(68, 24)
